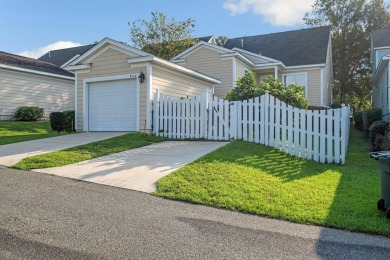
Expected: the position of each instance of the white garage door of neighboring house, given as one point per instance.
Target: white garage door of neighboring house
(112, 105)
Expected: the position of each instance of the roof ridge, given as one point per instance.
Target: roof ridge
(303, 29)
(72, 47)
(28, 58)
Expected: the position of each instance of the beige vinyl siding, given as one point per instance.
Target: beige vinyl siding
(110, 63)
(178, 85)
(27, 89)
(209, 62)
(313, 87)
(240, 69)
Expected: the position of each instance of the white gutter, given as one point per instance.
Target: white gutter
(35, 72)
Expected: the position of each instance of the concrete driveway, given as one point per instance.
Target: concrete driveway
(10, 154)
(137, 169)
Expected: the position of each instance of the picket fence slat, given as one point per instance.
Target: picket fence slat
(321, 136)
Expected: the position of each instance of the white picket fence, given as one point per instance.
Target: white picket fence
(319, 135)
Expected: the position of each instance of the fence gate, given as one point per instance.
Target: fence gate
(319, 135)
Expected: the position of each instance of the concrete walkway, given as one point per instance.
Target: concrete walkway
(10, 154)
(137, 169)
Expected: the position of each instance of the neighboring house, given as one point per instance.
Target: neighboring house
(29, 82)
(63, 57)
(301, 56)
(380, 56)
(111, 94)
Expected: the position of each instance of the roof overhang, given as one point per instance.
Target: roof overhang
(382, 65)
(35, 72)
(165, 63)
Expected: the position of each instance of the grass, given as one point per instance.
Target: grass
(87, 151)
(260, 180)
(16, 131)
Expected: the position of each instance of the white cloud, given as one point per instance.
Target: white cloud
(275, 12)
(36, 53)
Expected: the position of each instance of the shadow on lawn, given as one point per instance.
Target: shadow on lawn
(354, 205)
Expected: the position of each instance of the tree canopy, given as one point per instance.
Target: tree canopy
(161, 36)
(352, 22)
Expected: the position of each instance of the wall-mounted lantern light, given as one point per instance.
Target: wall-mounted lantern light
(141, 77)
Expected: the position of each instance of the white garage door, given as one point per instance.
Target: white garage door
(112, 105)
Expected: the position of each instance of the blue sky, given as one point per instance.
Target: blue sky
(31, 27)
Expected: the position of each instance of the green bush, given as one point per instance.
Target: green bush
(29, 113)
(358, 118)
(58, 121)
(69, 115)
(335, 105)
(379, 136)
(370, 116)
(246, 88)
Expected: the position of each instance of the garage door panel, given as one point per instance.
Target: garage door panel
(113, 106)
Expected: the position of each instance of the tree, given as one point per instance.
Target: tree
(221, 40)
(246, 88)
(352, 22)
(162, 37)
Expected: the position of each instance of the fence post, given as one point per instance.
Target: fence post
(343, 133)
(155, 112)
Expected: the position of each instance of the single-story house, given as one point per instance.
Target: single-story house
(29, 82)
(380, 57)
(115, 83)
(301, 56)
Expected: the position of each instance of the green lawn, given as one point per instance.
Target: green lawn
(256, 179)
(87, 151)
(16, 131)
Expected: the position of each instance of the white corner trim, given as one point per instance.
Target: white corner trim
(149, 96)
(297, 73)
(99, 79)
(78, 67)
(234, 72)
(322, 87)
(75, 102)
(69, 61)
(35, 72)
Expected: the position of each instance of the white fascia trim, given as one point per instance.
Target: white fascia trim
(173, 66)
(255, 55)
(306, 66)
(379, 69)
(382, 48)
(297, 73)
(78, 67)
(69, 61)
(238, 55)
(199, 44)
(110, 41)
(266, 65)
(178, 61)
(35, 72)
(99, 79)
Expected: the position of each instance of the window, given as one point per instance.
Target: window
(298, 78)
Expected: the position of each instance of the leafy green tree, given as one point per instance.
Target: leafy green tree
(221, 40)
(352, 22)
(246, 88)
(162, 37)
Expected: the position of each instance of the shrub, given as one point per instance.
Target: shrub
(69, 115)
(370, 116)
(379, 136)
(358, 118)
(29, 113)
(58, 121)
(246, 88)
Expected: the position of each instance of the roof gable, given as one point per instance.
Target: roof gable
(199, 45)
(293, 48)
(381, 38)
(62, 56)
(12, 60)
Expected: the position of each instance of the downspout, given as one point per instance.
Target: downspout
(149, 97)
(75, 102)
(276, 72)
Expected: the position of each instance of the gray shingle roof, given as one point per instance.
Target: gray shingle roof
(293, 48)
(59, 57)
(31, 64)
(381, 37)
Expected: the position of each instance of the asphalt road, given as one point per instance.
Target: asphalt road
(49, 217)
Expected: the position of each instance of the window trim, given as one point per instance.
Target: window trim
(296, 73)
